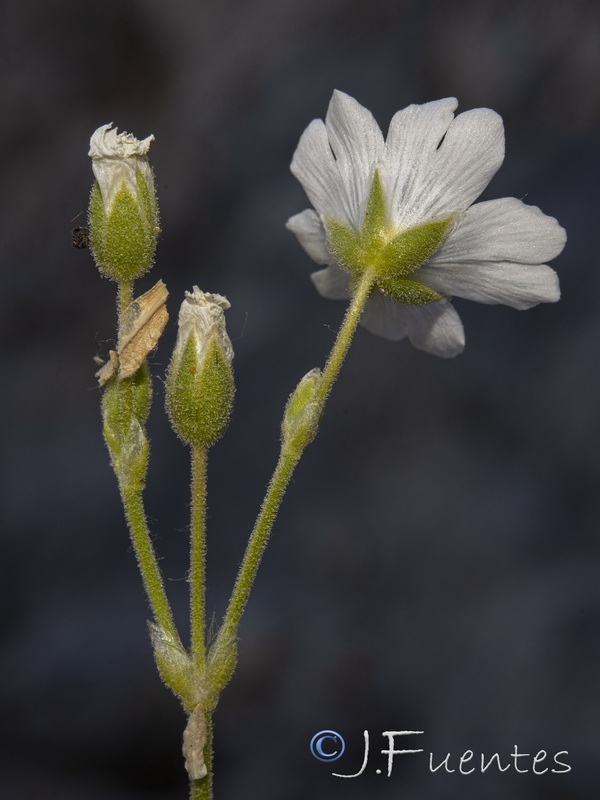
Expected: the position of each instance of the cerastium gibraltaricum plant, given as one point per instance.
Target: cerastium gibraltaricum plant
(394, 227)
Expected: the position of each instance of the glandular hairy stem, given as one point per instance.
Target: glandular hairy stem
(291, 452)
(198, 555)
(144, 551)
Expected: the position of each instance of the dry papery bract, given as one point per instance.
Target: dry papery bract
(142, 325)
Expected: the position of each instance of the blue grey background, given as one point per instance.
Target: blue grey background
(436, 562)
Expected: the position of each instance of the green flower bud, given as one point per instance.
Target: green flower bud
(175, 666)
(221, 663)
(123, 213)
(199, 382)
(125, 409)
(303, 412)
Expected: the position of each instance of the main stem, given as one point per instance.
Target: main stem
(198, 555)
(288, 458)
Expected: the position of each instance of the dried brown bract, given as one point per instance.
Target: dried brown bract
(142, 325)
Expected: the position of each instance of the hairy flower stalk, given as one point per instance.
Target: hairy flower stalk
(199, 399)
(392, 222)
(123, 219)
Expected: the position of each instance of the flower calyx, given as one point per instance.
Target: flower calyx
(199, 385)
(391, 256)
(123, 212)
(303, 412)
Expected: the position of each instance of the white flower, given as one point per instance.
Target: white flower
(373, 199)
(116, 159)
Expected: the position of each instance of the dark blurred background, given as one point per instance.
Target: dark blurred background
(436, 563)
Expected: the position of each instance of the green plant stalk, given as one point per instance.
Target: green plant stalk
(198, 556)
(144, 552)
(133, 505)
(124, 297)
(345, 336)
(288, 458)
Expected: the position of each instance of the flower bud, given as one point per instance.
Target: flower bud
(221, 663)
(123, 213)
(200, 379)
(175, 666)
(125, 409)
(302, 412)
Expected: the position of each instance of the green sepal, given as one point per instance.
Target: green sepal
(141, 393)
(388, 258)
(123, 241)
(96, 225)
(199, 396)
(373, 229)
(405, 290)
(345, 245)
(220, 666)
(176, 668)
(407, 251)
(148, 203)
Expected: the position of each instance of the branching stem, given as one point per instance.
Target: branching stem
(288, 459)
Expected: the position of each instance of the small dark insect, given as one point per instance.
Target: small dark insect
(79, 235)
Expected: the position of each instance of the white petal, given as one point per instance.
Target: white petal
(435, 328)
(109, 143)
(314, 166)
(449, 178)
(467, 160)
(310, 232)
(496, 255)
(203, 315)
(357, 143)
(520, 286)
(413, 137)
(384, 317)
(332, 283)
(116, 158)
(503, 230)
